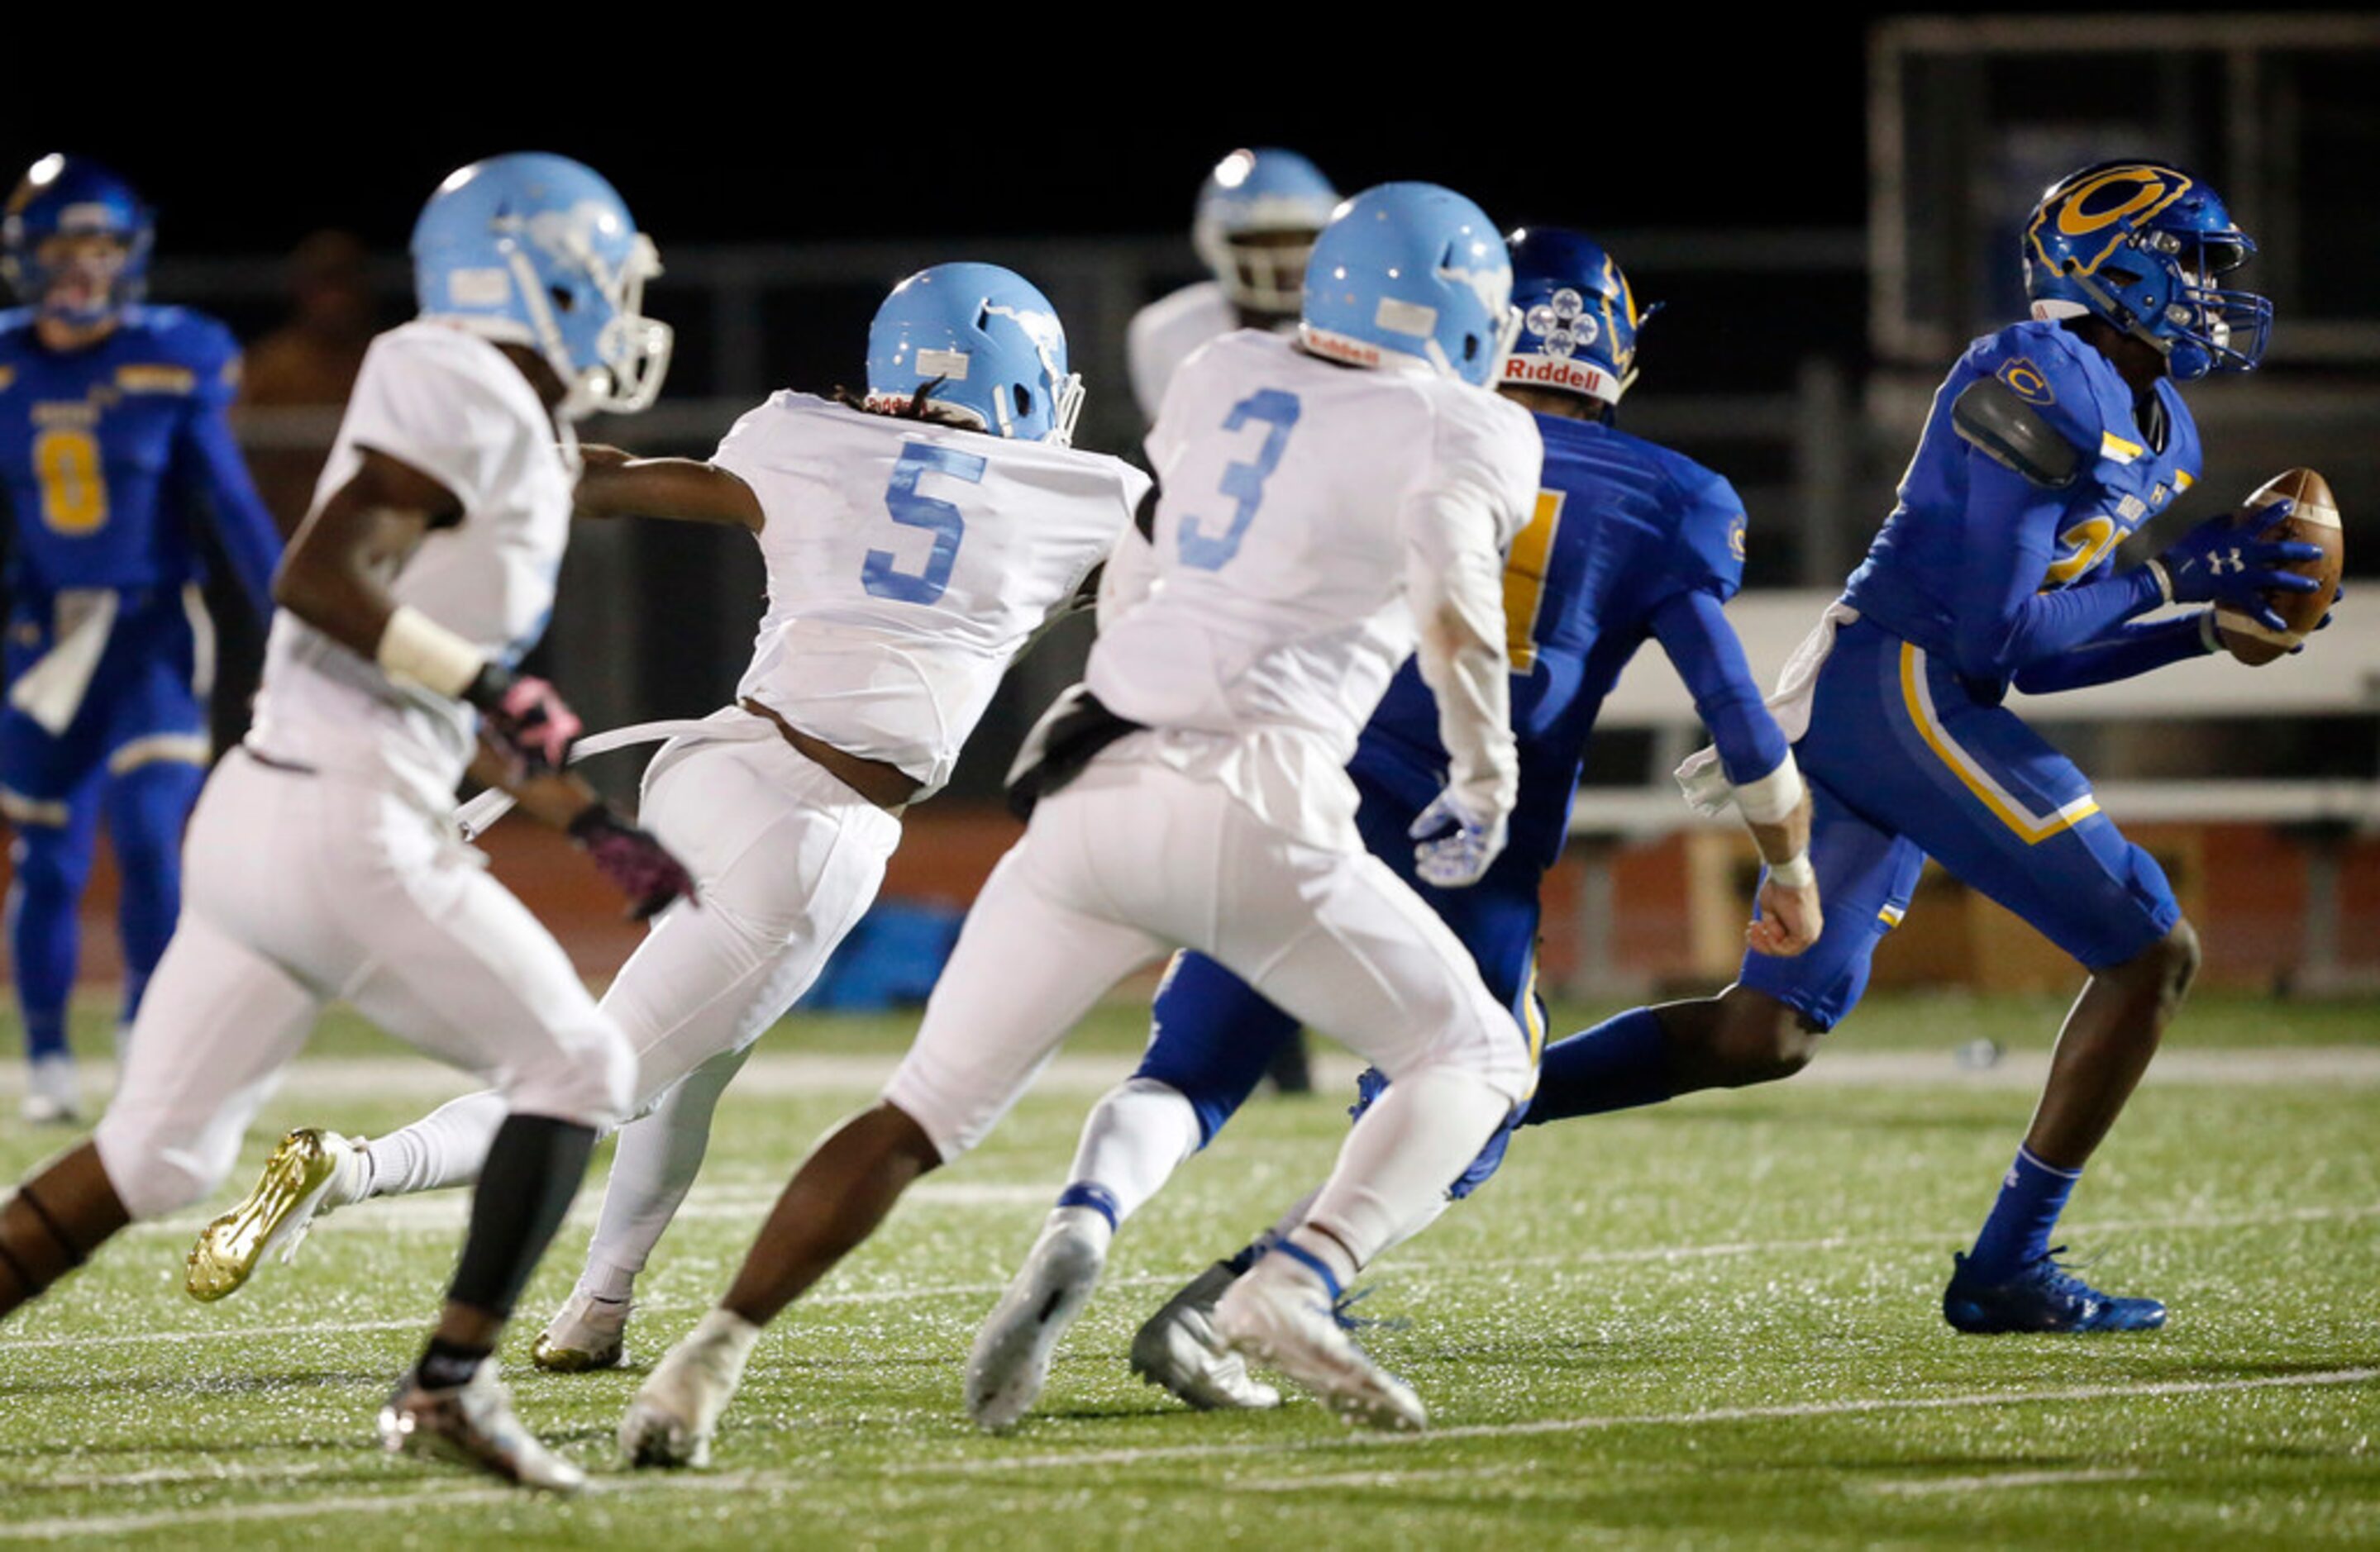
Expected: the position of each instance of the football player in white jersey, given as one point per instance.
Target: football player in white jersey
(1328, 505)
(321, 862)
(915, 543)
(1257, 218)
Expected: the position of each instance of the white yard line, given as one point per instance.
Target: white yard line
(777, 1073)
(1920, 1486)
(1624, 1256)
(1848, 1407)
(81, 1527)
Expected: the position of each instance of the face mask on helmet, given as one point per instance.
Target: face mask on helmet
(2140, 244)
(75, 241)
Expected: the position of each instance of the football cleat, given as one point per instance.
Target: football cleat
(310, 1172)
(1177, 1349)
(1011, 1360)
(1281, 1315)
(585, 1334)
(472, 1424)
(2046, 1297)
(52, 1097)
(675, 1413)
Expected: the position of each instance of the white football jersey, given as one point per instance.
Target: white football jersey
(449, 404)
(908, 564)
(1168, 330)
(1302, 504)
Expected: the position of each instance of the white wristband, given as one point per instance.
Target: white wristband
(2164, 578)
(1773, 798)
(416, 649)
(2210, 632)
(1795, 872)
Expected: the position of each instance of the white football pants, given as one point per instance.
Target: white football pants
(786, 859)
(299, 889)
(1133, 860)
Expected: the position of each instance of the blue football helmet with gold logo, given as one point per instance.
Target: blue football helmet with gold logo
(1414, 270)
(75, 197)
(2138, 244)
(1579, 317)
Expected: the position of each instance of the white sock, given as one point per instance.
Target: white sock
(613, 1285)
(1394, 1171)
(444, 1148)
(1138, 1133)
(1088, 1222)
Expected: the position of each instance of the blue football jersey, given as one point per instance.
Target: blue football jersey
(2130, 471)
(1621, 525)
(105, 450)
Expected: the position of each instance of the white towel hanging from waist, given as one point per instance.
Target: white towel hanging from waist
(1705, 781)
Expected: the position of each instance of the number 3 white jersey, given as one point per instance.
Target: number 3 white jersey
(908, 564)
(1307, 512)
(449, 404)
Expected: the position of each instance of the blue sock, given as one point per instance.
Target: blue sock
(146, 809)
(2031, 1196)
(1091, 1195)
(44, 932)
(1618, 1065)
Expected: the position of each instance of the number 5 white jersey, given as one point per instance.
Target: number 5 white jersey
(908, 564)
(1307, 512)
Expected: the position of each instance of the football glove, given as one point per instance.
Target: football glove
(525, 719)
(1457, 847)
(2219, 562)
(634, 861)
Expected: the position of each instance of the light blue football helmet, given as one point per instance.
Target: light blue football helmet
(991, 343)
(2138, 244)
(1414, 270)
(1251, 209)
(1579, 316)
(536, 249)
(63, 195)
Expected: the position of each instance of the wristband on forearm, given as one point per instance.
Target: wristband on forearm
(1795, 872)
(416, 650)
(1772, 798)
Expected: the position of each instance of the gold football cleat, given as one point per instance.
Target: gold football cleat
(274, 1215)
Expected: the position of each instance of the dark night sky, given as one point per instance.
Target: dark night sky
(1691, 122)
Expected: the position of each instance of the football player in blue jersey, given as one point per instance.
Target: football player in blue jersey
(1629, 542)
(113, 445)
(2049, 443)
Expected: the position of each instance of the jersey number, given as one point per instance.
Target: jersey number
(1242, 482)
(2090, 540)
(1525, 580)
(74, 493)
(880, 572)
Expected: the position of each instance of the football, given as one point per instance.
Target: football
(2313, 520)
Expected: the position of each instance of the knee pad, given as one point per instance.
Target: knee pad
(49, 863)
(591, 1081)
(154, 1176)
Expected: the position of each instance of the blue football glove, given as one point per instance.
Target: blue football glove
(2218, 563)
(2337, 597)
(1456, 846)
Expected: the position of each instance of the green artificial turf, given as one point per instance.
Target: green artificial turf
(1711, 1323)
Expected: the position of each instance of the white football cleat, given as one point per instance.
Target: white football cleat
(675, 1414)
(311, 1172)
(473, 1425)
(1279, 1313)
(1177, 1349)
(586, 1333)
(1011, 1360)
(51, 1095)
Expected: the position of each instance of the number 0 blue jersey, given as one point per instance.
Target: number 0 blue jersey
(1622, 527)
(107, 453)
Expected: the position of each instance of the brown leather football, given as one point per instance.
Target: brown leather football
(2313, 520)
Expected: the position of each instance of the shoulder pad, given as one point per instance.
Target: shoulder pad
(1992, 418)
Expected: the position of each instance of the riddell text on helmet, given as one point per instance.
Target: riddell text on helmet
(1552, 372)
